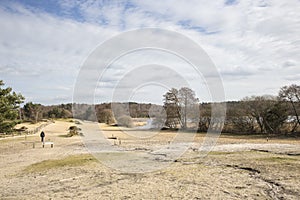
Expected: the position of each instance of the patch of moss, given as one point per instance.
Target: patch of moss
(277, 159)
(70, 161)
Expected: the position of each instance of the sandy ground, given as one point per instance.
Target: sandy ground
(236, 168)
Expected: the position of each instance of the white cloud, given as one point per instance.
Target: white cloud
(42, 51)
(254, 44)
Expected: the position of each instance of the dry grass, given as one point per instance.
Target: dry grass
(68, 171)
(281, 159)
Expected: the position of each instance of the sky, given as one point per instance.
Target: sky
(254, 45)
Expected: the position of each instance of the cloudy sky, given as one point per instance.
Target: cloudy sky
(254, 44)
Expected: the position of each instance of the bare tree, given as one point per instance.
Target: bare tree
(238, 120)
(292, 94)
(181, 106)
(268, 112)
(189, 106)
(257, 107)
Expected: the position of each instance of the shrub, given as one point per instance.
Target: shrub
(73, 130)
(125, 121)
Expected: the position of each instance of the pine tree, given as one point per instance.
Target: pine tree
(9, 105)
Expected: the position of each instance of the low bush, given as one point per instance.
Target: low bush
(73, 130)
(125, 121)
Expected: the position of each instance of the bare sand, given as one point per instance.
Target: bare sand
(236, 168)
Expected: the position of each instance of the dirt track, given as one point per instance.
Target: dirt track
(236, 168)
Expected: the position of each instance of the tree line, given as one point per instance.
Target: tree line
(265, 114)
(181, 109)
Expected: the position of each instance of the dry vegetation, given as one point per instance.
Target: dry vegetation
(243, 167)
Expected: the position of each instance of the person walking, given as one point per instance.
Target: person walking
(42, 136)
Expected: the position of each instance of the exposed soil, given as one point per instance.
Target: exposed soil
(236, 168)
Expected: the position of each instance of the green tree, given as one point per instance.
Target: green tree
(276, 117)
(205, 117)
(32, 111)
(172, 108)
(106, 116)
(9, 105)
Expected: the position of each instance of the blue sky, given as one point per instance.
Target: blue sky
(253, 43)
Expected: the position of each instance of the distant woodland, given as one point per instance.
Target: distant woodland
(181, 110)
